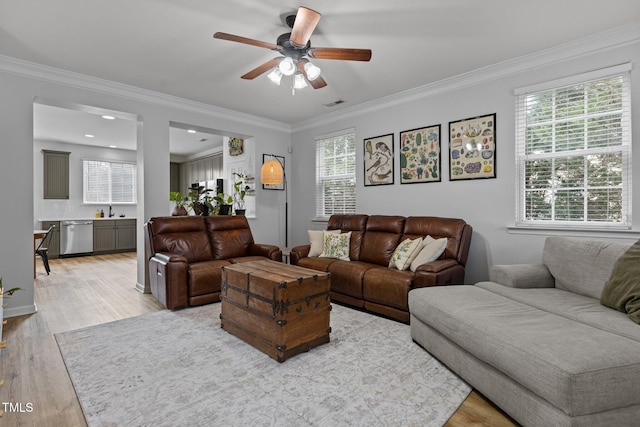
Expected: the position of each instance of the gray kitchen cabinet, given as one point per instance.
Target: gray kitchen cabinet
(126, 235)
(114, 235)
(56, 174)
(54, 241)
(104, 236)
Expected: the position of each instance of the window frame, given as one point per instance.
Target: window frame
(321, 213)
(624, 149)
(85, 161)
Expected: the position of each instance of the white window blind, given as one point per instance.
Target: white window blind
(574, 152)
(108, 182)
(336, 174)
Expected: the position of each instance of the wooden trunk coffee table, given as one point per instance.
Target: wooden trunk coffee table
(279, 309)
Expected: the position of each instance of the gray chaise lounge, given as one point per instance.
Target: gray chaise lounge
(536, 340)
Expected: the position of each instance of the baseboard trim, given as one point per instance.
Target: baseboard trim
(19, 311)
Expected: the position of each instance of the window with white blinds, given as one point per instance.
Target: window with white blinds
(108, 182)
(574, 151)
(336, 174)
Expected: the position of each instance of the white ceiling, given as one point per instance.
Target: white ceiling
(167, 46)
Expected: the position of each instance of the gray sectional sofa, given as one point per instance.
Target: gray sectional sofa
(536, 340)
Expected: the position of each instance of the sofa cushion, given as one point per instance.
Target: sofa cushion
(431, 251)
(183, 236)
(558, 359)
(316, 263)
(387, 287)
(316, 241)
(336, 245)
(457, 232)
(205, 277)
(354, 223)
(381, 239)
(347, 277)
(622, 290)
(404, 253)
(573, 306)
(579, 265)
(230, 236)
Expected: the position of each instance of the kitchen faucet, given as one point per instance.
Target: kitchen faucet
(111, 212)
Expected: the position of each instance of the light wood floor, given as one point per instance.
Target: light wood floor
(86, 291)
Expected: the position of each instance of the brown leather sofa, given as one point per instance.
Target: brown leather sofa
(367, 282)
(186, 254)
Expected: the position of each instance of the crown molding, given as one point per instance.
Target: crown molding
(68, 78)
(594, 43)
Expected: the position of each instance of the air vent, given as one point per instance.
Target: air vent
(203, 140)
(334, 103)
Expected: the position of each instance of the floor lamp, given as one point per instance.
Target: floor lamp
(272, 173)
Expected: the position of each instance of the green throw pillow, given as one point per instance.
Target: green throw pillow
(622, 290)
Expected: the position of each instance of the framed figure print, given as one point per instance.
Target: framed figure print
(472, 148)
(378, 160)
(420, 155)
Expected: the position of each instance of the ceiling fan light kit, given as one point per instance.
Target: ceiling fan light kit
(294, 46)
(275, 76)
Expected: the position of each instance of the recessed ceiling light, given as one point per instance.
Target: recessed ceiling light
(191, 131)
(113, 146)
(108, 117)
(88, 135)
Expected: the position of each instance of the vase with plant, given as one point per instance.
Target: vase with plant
(239, 192)
(200, 201)
(223, 204)
(180, 209)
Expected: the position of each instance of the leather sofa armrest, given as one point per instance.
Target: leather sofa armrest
(299, 252)
(270, 251)
(522, 276)
(168, 279)
(166, 258)
(436, 266)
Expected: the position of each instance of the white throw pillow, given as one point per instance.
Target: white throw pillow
(405, 253)
(336, 246)
(316, 239)
(430, 252)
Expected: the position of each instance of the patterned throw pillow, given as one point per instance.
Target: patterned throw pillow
(316, 239)
(336, 246)
(431, 251)
(405, 253)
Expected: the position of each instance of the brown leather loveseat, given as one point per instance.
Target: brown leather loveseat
(366, 281)
(186, 254)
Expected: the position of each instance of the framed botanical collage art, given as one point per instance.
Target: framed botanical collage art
(472, 153)
(472, 148)
(420, 155)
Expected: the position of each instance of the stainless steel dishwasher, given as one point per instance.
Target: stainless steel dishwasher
(76, 237)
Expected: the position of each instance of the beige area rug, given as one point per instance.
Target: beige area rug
(179, 368)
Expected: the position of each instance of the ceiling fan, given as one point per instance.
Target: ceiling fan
(295, 47)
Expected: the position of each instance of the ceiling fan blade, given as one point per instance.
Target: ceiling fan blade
(305, 23)
(245, 40)
(340, 53)
(316, 83)
(261, 69)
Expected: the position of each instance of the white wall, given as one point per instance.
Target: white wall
(21, 83)
(73, 208)
(488, 204)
